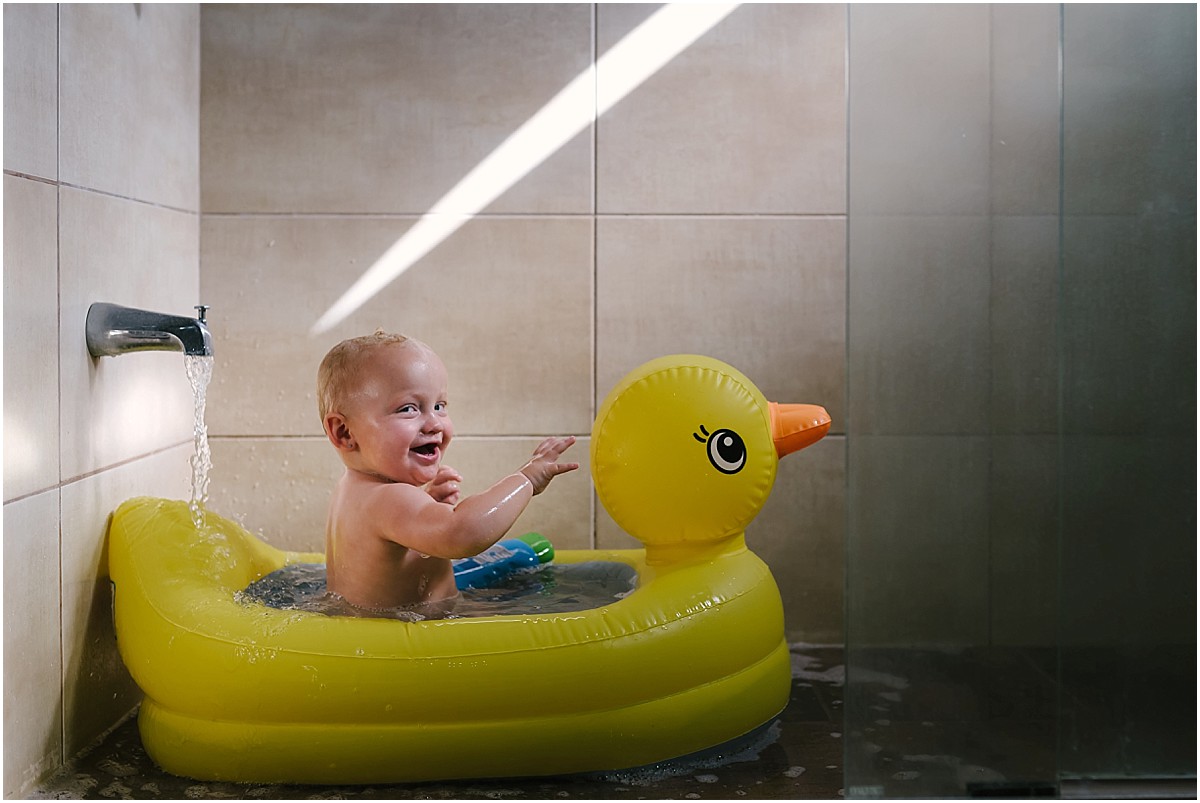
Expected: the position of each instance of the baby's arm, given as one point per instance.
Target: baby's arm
(415, 519)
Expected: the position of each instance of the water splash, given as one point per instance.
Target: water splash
(199, 372)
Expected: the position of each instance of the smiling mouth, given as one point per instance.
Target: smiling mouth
(428, 449)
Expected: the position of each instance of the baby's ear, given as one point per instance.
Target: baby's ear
(338, 432)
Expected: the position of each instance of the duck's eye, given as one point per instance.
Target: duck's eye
(726, 451)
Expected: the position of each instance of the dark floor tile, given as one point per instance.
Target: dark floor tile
(905, 759)
(806, 705)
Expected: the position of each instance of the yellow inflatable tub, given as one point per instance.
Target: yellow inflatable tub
(694, 657)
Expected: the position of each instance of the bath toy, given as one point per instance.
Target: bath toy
(502, 559)
(684, 452)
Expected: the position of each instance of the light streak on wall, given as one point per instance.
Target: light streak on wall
(623, 68)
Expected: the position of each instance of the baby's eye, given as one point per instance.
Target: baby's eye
(440, 407)
(406, 408)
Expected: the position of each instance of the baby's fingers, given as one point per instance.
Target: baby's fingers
(563, 468)
(553, 447)
(447, 474)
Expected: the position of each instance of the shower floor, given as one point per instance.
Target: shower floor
(805, 761)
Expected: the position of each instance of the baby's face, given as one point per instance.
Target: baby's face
(398, 415)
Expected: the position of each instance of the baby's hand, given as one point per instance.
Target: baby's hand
(445, 486)
(544, 465)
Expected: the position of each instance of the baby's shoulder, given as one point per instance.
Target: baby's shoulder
(392, 494)
(370, 509)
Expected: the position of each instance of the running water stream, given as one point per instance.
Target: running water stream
(199, 372)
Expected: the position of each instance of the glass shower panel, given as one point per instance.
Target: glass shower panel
(952, 389)
(1128, 322)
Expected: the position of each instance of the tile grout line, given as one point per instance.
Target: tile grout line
(33, 177)
(593, 514)
(62, 654)
(594, 214)
(87, 475)
(118, 196)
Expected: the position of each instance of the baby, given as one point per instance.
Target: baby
(397, 518)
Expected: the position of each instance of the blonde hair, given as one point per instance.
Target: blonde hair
(337, 372)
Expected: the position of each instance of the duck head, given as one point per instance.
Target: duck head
(685, 448)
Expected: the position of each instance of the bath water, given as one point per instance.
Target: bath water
(199, 373)
(561, 588)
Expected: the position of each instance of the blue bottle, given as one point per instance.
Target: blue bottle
(502, 559)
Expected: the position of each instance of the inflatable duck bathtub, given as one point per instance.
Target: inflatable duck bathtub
(684, 453)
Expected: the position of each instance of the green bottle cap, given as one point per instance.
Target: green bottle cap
(541, 546)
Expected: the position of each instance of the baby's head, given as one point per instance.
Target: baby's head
(342, 371)
(382, 400)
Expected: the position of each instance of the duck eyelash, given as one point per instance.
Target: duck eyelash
(706, 435)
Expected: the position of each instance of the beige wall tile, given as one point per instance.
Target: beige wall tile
(33, 653)
(125, 123)
(1023, 528)
(952, 323)
(383, 108)
(917, 541)
(506, 302)
(918, 325)
(801, 536)
(130, 83)
(277, 488)
(562, 512)
(97, 689)
(115, 408)
(765, 295)
(609, 534)
(30, 336)
(1129, 128)
(750, 118)
(1128, 325)
(31, 89)
(1025, 114)
(1127, 537)
(919, 126)
(1024, 324)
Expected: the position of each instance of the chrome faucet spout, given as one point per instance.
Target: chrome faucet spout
(113, 330)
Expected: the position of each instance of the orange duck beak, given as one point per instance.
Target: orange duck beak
(794, 426)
